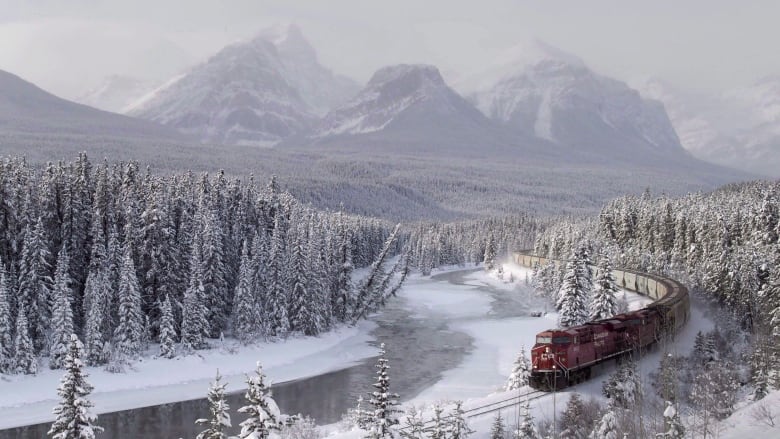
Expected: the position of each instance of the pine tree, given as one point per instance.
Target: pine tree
(93, 332)
(24, 355)
(498, 429)
(214, 273)
(604, 303)
(35, 283)
(276, 307)
(623, 387)
(672, 423)
(304, 315)
(457, 428)
(490, 253)
(73, 418)
(129, 333)
(520, 373)
(167, 330)
(439, 428)
(244, 313)
(194, 325)
(607, 427)
(527, 428)
(6, 324)
(414, 425)
(572, 419)
(262, 410)
(572, 298)
(219, 419)
(62, 314)
(384, 402)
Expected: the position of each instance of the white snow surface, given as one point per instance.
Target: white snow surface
(29, 400)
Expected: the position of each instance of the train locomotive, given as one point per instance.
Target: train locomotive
(563, 357)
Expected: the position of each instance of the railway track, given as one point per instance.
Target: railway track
(492, 407)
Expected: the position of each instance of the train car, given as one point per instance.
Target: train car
(561, 357)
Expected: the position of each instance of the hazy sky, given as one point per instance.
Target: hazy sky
(68, 46)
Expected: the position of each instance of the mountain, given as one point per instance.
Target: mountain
(117, 93)
(539, 90)
(408, 107)
(27, 109)
(252, 93)
(738, 128)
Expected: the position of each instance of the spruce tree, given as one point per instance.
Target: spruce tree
(62, 314)
(35, 284)
(219, 416)
(129, 333)
(604, 303)
(24, 354)
(384, 402)
(244, 315)
(73, 417)
(439, 428)
(167, 330)
(572, 421)
(195, 324)
(520, 373)
(414, 425)
(262, 411)
(457, 428)
(527, 428)
(498, 429)
(572, 299)
(6, 325)
(624, 387)
(607, 427)
(672, 423)
(490, 253)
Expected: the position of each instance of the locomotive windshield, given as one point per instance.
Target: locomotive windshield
(561, 340)
(543, 339)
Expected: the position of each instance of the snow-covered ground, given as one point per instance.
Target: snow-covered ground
(26, 400)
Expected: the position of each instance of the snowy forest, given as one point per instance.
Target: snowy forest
(124, 258)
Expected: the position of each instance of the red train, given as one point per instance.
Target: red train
(562, 357)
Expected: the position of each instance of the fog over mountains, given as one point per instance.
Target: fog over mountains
(535, 128)
(738, 128)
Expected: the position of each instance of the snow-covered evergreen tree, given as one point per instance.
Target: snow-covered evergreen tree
(130, 331)
(24, 353)
(62, 313)
(526, 429)
(604, 302)
(624, 387)
(490, 253)
(195, 324)
(167, 330)
(219, 416)
(35, 281)
(521, 372)
(414, 425)
(572, 297)
(262, 411)
(607, 427)
(6, 324)
(385, 414)
(457, 427)
(73, 417)
(278, 301)
(498, 428)
(244, 313)
(572, 421)
(672, 423)
(439, 428)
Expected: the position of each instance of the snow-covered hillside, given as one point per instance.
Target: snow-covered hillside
(739, 128)
(537, 89)
(256, 92)
(117, 92)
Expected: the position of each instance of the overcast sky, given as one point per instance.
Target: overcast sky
(68, 46)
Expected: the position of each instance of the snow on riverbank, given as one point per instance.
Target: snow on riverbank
(26, 400)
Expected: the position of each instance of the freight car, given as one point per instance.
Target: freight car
(562, 357)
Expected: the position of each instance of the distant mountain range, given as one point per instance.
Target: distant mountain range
(26, 109)
(739, 128)
(534, 101)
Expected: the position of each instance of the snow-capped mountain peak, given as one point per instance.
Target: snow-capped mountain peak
(257, 92)
(391, 92)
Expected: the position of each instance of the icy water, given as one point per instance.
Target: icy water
(420, 348)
